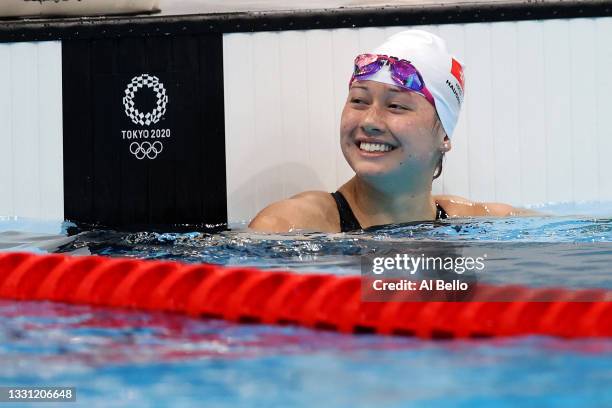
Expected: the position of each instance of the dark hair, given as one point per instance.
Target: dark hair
(438, 171)
(436, 127)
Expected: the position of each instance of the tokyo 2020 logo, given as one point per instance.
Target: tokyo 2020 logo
(133, 113)
(145, 149)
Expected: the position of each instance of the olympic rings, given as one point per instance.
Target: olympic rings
(146, 149)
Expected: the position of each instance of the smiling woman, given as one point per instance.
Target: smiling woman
(403, 104)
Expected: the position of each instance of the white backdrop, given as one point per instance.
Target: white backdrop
(31, 159)
(534, 128)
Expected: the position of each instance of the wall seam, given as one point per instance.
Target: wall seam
(38, 129)
(489, 26)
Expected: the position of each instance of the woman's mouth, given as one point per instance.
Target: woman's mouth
(374, 147)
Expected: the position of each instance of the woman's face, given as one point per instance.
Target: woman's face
(390, 133)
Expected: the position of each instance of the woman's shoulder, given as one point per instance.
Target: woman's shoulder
(456, 206)
(313, 210)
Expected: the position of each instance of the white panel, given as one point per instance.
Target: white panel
(531, 111)
(6, 140)
(323, 134)
(297, 175)
(479, 112)
(369, 38)
(455, 174)
(240, 144)
(50, 128)
(267, 131)
(603, 104)
(26, 142)
(583, 119)
(31, 164)
(557, 99)
(505, 100)
(534, 126)
(345, 46)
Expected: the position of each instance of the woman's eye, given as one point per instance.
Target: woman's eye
(357, 100)
(399, 107)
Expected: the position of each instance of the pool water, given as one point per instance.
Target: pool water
(119, 357)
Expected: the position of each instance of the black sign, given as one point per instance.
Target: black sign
(144, 143)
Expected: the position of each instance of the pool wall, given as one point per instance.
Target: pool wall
(31, 133)
(533, 130)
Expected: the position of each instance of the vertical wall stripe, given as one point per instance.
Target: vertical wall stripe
(345, 46)
(50, 131)
(6, 134)
(583, 109)
(31, 171)
(241, 145)
(267, 121)
(603, 103)
(531, 112)
(557, 100)
(455, 174)
(505, 103)
(323, 134)
(26, 146)
(295, 173)
(479, 115)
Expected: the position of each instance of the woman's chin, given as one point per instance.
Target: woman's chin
(373, 170)
(388, 173)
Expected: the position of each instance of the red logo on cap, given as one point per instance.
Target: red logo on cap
(457, 72)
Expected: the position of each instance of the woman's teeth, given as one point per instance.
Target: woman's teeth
(375, 147)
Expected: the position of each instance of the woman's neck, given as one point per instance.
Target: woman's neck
(377, 206)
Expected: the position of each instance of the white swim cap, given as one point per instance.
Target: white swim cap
(441, 72)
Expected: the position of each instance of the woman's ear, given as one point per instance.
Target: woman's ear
(446, 145)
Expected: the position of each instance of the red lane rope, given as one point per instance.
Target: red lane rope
(317, 301)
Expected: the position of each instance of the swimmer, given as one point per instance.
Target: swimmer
(403, 104)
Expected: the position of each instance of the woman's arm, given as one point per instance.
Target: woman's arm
(311, 210)
(277, 217)
(462, 207)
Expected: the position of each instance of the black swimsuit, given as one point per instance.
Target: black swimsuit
(348, 221)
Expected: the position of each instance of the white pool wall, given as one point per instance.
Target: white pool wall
(534, 129)
(31, 157)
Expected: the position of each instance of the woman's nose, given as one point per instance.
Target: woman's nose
(372, 130)
(373, 124)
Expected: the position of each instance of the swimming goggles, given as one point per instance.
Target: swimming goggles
(402, 72)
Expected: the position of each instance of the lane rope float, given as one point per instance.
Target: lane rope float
(244, 294)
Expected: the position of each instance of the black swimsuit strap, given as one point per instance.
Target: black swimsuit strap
(440, 213)
(348, 221)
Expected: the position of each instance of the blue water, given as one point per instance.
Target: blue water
(125, 358)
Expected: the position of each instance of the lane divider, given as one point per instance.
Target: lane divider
(315, 300)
